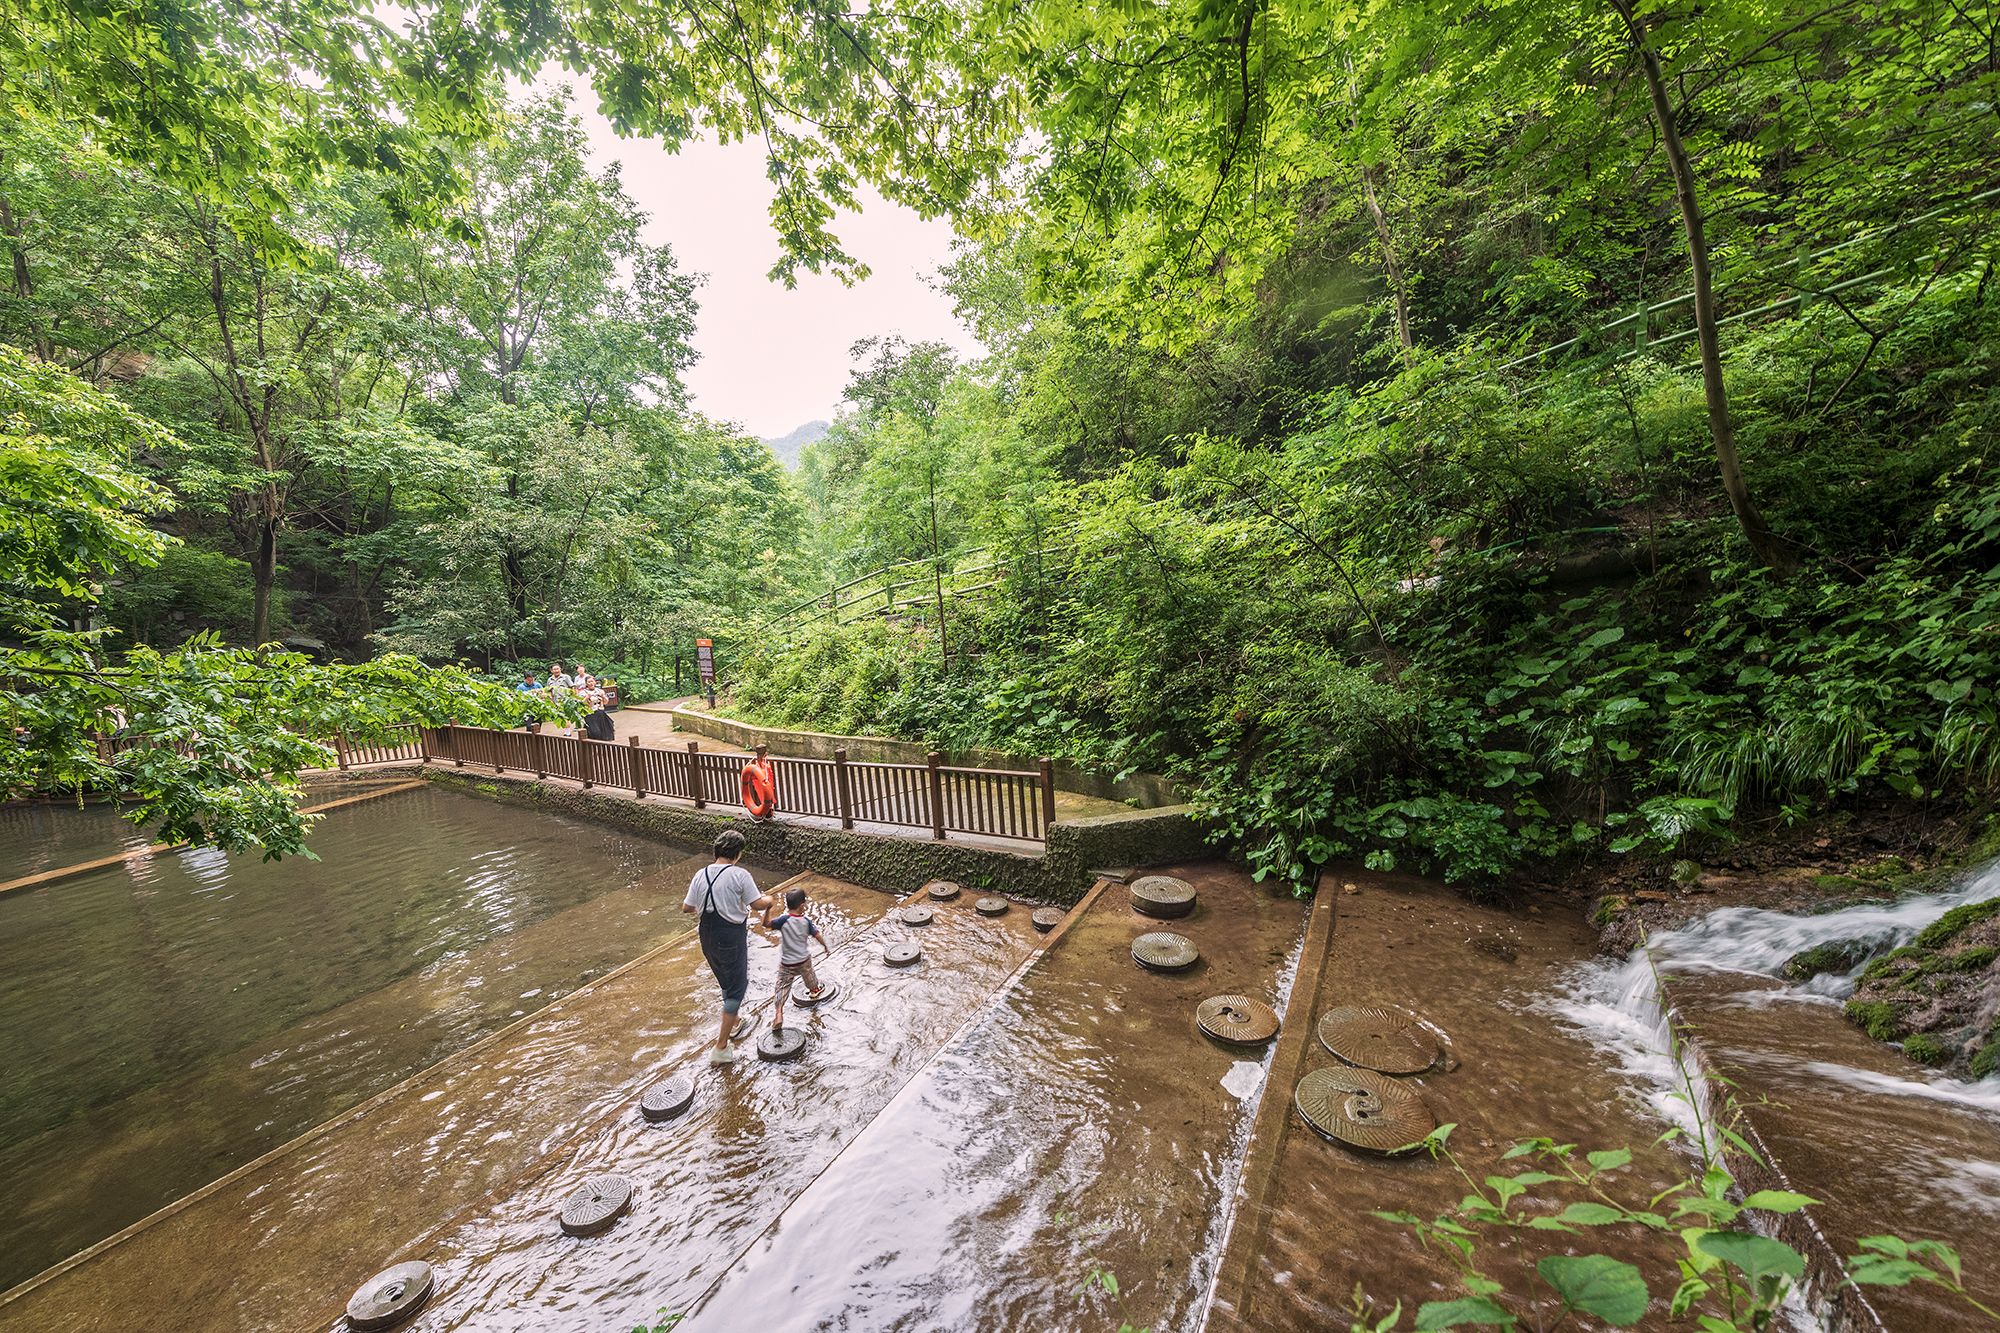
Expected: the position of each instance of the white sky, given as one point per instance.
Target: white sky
(772, 358)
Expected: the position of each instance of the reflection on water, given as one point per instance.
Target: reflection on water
(37, 836)
(166, 1019)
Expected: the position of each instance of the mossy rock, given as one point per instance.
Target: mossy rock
(1885, 966)
(1889, 867)
(1685, 872)
(1877, 1018)
(1927, 1049)
(1609, 909)
(1987, 1060)
(1955, 922)
(1834, 956)
(1845, 884)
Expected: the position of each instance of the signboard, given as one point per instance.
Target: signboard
(704, 660)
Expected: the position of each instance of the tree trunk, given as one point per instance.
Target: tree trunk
(937, 569)
(24, 282)
(1765, 543)
(1397, 288)
(263, 571)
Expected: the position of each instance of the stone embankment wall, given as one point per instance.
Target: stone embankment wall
(1145, 789)
(1076, 848)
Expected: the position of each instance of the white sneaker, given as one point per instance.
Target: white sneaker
(723, 1056)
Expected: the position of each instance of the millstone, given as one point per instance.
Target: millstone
(1047, 919)
(391, 1296)
(596, 1204)
(1237, 1018)
(1362, 1108)
(943, 890)
(901, 955)
(667, 1098)
(990, 906)
(1379, 1036)
(1164, 951)
(781, 1044)
(1162, 896)
(916, 915)
(802, 994)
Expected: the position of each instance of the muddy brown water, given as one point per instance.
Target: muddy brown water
(167, 1019)
(1303, 1238)
(1082, 1121)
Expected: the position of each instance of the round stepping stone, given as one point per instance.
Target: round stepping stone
(991, 906)
(1164, 951)
(391, 1296)
(1363, 1109)
(1047, 919)
(667, 1098)
(1238, 1019)
(802, 994)
(916, 915)
(1379, 1036)
(943, 890)
(595, 1204)
(781, 1044)
(1162, 896)
(901, 955)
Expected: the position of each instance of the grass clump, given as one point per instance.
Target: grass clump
(1956, 922)
(1833, 956)
(1875, 1017)
(1926, 1049)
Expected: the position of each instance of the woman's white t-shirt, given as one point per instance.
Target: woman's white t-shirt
(734, 891)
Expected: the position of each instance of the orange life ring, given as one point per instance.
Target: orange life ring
(760, 788)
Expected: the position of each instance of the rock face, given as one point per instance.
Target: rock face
(1833, 956)
(1939, 994)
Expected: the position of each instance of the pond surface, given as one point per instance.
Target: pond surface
(165, 1020)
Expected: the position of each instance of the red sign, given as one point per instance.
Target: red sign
(704, 658)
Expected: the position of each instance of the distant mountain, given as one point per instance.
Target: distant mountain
(789, 447)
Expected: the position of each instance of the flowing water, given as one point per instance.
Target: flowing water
(1886, 1146)
(169, 1018)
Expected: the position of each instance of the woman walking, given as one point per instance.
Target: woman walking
(725, 895)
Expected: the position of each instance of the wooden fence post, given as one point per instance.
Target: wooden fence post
(584, 767)
(498, 740)
(340, 749)
(694, 774)
(937, 794)
(456, 758)
(841, 788)
(638, 767)
(424, 744)
(1048, 796)
(540, 756)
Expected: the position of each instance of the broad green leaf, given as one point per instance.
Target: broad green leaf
(1597, 1284)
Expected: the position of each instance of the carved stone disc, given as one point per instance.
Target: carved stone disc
(1363, 1109)
(781, 1044)
(991, 906)
(1379, 1036)
(391, 1296)
(595, 1204)
(901, 955)
(1162, 896)
(942, 890)
(1164, 951)
(802, 995)
(667, 1098)
(916, 914)
(1237, 1018)
(1047, 919)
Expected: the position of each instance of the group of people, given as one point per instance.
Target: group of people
(597, 697)
(725, 896)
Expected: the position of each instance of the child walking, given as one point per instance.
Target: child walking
(796, 931)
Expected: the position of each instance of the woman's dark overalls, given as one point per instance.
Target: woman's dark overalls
(726, 946)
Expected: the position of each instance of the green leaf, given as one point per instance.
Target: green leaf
(1610, 1159)
(1465, 1310)
(1588, 1214)
(1757, 1257)
(1778, 1201)
(1597, 1284)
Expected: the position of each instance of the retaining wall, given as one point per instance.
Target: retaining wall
(1076, 848)
(1147, 789)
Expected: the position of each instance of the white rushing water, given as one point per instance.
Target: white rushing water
(1616, 1005)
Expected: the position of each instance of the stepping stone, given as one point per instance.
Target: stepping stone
(1164, 951)
(1047, 919)
(1162, 896)
(991, 906)
(1379, 1036)
(1363, 1109)
(667, 1098)
(391, 1296)
(595, 1204)
(801, 994)
(901, 955)
(916, 915)
(942, 890)
(1238, 1019)
(781, 1044)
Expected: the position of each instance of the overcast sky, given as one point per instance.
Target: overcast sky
(772, 358)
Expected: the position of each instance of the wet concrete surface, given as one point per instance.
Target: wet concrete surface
(1886, 1148)
(1303, 1237)
(1080, 1121)
(756, 1135)
(282, 1242)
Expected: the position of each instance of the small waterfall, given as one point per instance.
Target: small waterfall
(1616, 1005)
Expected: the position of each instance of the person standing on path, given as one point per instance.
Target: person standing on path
(725, 895)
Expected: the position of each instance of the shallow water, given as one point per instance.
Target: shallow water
(1885, 1145)
(167, 1019)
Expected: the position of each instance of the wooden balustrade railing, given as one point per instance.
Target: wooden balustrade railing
(995, 803)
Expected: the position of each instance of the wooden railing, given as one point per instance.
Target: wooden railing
(994, 803)
(404, 742)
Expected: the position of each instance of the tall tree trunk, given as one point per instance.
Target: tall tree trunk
(1765, 543)
(1398, 289)
(263, 569)
(24, 281)
(937, 568)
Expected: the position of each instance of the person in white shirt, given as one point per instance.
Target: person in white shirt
(725, 895)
